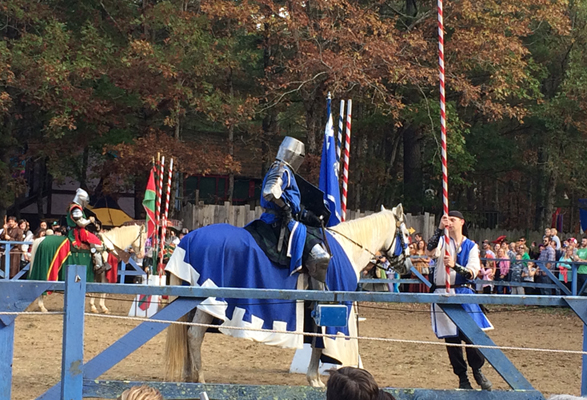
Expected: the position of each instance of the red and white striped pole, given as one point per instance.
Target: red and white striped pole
(345, 165)
(164, 223)
(158, 205)
(340, 129)
(443, 132)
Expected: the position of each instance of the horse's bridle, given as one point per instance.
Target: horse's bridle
(397, 258)
(140, 237)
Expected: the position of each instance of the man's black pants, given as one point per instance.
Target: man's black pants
(455, 355)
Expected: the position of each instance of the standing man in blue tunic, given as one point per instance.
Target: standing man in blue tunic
(463, 261)
(284, 212)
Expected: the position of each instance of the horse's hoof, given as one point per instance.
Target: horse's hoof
(43, 309)
(106, 311)
(317, 383)
(94, 310)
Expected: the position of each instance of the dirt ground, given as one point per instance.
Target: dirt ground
(37, 353)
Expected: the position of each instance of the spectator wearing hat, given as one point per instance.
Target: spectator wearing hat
(464, 266)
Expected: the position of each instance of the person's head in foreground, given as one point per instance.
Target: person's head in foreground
(141, 393)
(349, 383)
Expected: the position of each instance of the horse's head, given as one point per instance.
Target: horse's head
(397, 250)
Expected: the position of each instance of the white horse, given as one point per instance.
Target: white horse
(116, 241)
(360, 239)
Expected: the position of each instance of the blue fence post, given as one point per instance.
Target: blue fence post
(495, 357)
(6, 355)
(73, 333)
(122, 272)
(574, 277)
(584, 364)
(7, 261)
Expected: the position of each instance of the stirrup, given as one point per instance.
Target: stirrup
(317, 263)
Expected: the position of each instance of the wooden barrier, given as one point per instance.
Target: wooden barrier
(16, 296)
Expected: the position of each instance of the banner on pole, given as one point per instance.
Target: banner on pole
(329, 172)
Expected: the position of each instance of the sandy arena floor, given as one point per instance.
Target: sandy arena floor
(37, 353)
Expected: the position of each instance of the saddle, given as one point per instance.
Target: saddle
(267, 237)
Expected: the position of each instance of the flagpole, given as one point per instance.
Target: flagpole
(443, 132)
(347, 150)
(160, 224)
(340, 129)
(164, 224)
(157, 211)
(328, 181)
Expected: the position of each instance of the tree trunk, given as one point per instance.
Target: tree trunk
(41, 179)
(550, 199)
(139, 188)
(411, 8)
(541, 189)
(83, 174)
(412, 169)
(312, 123)
(231, 140)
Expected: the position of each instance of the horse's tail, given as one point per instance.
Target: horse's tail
(177, 346)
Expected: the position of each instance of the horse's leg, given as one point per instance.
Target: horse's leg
(313, 374)
(195, 339)
(92, 303)
(103, 307)
(41, 304)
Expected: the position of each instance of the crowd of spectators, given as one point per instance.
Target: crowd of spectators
(15, 230)
(504, 264)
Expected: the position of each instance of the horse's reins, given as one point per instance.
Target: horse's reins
(369, 251)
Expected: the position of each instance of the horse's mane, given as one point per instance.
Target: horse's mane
(361, 230)
(123, 236)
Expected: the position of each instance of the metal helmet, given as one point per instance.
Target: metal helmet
(292, 152)
(82, 198)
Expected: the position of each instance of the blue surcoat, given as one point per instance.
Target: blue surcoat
(291, 196)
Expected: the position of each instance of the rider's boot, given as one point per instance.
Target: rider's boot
(317, 263)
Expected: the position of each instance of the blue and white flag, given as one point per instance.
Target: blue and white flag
(329, 172)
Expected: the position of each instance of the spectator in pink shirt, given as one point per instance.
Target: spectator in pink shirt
(486, 272)
(503, 269)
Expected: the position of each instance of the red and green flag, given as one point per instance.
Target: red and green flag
(149, 204)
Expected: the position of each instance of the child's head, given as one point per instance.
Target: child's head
(518, 257)
(141, 393)
(350, 383)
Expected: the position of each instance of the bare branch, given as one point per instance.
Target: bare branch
(292, 91)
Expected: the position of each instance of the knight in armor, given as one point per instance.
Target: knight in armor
(298, 231)
(79, 236)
